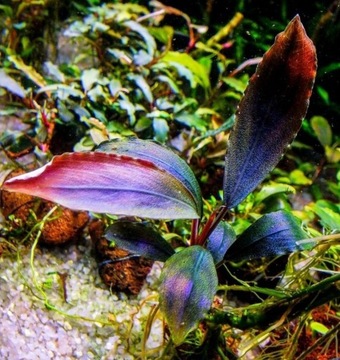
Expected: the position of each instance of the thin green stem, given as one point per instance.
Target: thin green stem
(255, 289)
(320, 341)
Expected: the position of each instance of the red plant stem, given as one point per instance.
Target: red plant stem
(194, 231)
(211, 224)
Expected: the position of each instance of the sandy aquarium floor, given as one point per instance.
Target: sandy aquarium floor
(36, 322)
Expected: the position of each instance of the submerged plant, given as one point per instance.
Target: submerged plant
(140, 178)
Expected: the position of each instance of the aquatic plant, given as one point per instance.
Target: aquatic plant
(143, 179)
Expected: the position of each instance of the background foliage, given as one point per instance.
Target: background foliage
(74, 74)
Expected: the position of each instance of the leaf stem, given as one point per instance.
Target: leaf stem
(211, 224)
(194, 231)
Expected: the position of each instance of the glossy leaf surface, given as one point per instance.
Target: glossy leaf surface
(162, 157)
(270, 113)
(220, 241)
(188, 285)
(272, 235)
(109, 183)
(139, 239)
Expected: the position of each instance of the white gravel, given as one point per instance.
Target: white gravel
(112, 324)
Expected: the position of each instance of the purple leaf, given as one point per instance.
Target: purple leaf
(220, 240)
(270, 113)
(159, 155)
(109, 183)
(187, 289)
(140, 239)
(273, 234)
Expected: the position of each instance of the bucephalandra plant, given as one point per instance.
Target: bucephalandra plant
(140, 178)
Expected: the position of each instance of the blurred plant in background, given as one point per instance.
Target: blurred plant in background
(73, 74)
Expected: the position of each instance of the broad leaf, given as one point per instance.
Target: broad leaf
(328, 213)
(187, 289)
(10, 84)
(322, 130)
(109, 183)
(188, 68)
(270, 113)
(140, 239)
(162, 157)
(272, 235)
(220, 241)
(144, 33)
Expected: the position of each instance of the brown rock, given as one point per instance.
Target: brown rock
(16, 204)
(116, 268)
(66, 225)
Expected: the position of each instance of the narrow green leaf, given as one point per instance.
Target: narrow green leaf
(328, 214)
(187, 289)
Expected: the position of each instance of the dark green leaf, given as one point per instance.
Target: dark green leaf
(140, 239)
(187, 289)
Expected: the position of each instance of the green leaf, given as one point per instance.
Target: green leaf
(11, 85)
(89, 78)
(193, 67)
(328, 214)
(191, 120)
(272, 189)
(272, 235)
(140, 239)
(322, 130)
(143, 85)
(236, 84)
(29, 71)
(323, 93)
(54, 72)
(144, 33)
(297, 177)
(332, 154)
(161, 129)
(187, 287)
(163, 34)
(129, 107)
(318, 327)
(63, 91)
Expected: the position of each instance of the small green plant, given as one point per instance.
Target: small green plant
(143, 179)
